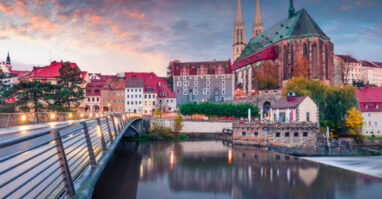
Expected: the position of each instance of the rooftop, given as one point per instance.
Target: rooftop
(348, 58)
(211, 67)
(284, 103)
(51, 71)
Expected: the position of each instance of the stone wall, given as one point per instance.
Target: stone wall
(289, 135)
(196, 126)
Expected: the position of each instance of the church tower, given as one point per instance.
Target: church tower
(239, 39)
(8, 60)
(257, 27)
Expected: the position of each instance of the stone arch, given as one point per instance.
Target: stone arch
(266, 107)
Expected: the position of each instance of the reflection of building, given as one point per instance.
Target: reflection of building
(202, 81)
(294, 37)
(370, 102)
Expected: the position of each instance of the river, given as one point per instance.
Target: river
(212, 169)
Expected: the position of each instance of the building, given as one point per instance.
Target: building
(113, 95)
(296, 36)
(354, 70)
(93, 95)
(202, 81)
(370, 103)
(295, 109)
(146, 92)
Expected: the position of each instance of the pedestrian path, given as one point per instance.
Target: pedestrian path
(17, 129)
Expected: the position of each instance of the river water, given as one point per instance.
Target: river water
(212, 169)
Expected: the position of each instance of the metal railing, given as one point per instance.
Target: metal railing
(17, 119)
(49, 163)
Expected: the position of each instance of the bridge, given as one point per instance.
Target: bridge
(63, 162)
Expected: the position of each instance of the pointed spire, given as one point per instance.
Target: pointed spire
(8, 60)
(258, 26)
(239, 13)
(291, 9)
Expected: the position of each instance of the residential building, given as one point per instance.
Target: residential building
(113, 95)
(370, 104)
(297, 36)
(93, 95)
(372, 72)
(147, 92)
(295, 109)
(202, 81)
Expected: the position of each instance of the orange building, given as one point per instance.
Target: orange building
(113, 95)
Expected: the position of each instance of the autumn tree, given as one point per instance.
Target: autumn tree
(354, 122)
(301, 68)
(266, 76)
(178, 124)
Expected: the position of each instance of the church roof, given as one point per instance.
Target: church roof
(299, 25)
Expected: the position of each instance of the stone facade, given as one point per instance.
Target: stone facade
(290, 135)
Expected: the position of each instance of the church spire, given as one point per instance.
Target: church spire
(239, 39)
(8, 60)
(291, 9)
(258, 26)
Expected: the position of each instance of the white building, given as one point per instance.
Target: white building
(370, 102)
(134, 94)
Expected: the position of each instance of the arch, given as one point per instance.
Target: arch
(285, 67)
(105, 109)
(87, 108)
(266, 107)
(96, 108)
(314, 61)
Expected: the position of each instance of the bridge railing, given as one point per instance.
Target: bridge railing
(48, 164)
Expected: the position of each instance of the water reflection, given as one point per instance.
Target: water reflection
(212, 170)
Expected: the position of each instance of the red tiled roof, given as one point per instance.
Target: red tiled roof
(152, 81)
(211, 67)
(368, 63)
(284, 103)
(19, 73)
(370, 96)
(50, 71)
(379, 64)
(348, 58)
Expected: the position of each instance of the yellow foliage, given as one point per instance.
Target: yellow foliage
(354, 121)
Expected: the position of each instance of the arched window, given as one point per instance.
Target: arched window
(306, 52)
(219, 70)
(314, 61)
(326, 62)
(285, 67)
(307, 116)
(184, 70)
(202, 70)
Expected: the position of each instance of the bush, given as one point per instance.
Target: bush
(219, 109)
(7, 109)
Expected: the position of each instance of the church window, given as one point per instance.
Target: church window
(314, 61)
(306, 53)
(285, 68)
(292, 55)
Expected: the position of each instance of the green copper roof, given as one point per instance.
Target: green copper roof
(299, 25)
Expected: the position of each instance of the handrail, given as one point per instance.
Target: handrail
(73, 148)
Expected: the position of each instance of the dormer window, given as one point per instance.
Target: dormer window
(366, 106)
(184, 71)
(202, 70)
(219, 70)
(377, 106)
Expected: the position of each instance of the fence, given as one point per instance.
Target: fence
(49, 163)
(17, 119)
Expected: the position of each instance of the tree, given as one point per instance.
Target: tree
(354, 122)
(266, 76)
(170, 74)
(31, 92)
(301, 68)
(333, 102)
(68, 88)
(178, 124)
(2, 86)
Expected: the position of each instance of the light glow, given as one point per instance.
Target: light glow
(23, 118)
(229, 156)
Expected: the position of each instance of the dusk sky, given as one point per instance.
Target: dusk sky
(110, 36)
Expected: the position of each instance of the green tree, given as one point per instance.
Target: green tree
(31, 92)
(68, 89)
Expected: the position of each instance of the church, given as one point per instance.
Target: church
(296, 36)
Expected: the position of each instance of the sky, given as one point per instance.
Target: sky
(111, 36)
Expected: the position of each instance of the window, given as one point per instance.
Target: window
(117, 94)
(113, 101)
(195, 87)
(185, 92)
(92, 99)
(127, 96)
(295, 134)
(208, 87)
(223, 92)
(195, 82)
(202, 70)
(256, 134)
(184, 71)
(113, 94)
(223, 76)
(223, 81)
(305, 134)
(179, 83)
(154, 103)
(97, 99)
(208, 82)
(243, 133)
(136, 90)
(127, 102)
(287, 134)
(117, 101)
(219, 70)
(277, 134)
(377, 106)
(366, 106)
(222, 99)
(375, 123)
(308, 117)
(88, 99)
